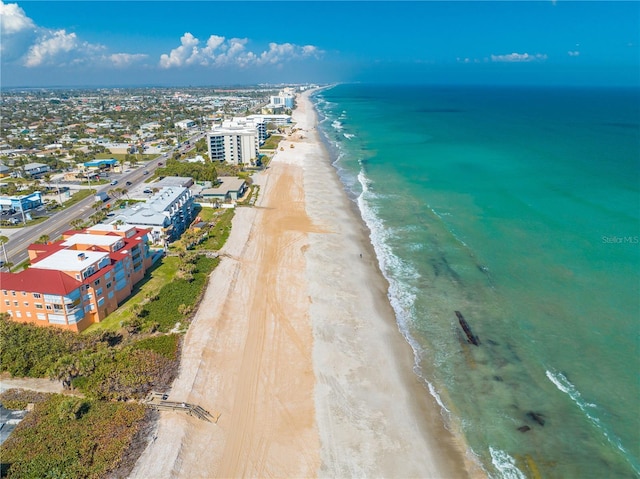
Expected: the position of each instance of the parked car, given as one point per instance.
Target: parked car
(147, 191)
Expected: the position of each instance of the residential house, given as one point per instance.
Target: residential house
(35, 170)
(229, 188)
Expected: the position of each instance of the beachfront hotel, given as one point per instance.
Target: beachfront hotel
(78, 280)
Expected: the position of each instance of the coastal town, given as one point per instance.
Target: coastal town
(319, 240)
(144, 158)
(230, 325)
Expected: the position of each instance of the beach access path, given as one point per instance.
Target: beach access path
(295, 346)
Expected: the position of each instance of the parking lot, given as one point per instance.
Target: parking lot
(12, 217)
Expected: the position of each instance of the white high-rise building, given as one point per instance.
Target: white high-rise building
(284, 98)
(253, 121)
(235, 145)
(279, 120)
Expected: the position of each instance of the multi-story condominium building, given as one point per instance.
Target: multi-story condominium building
(79, 280)
(254, 121)
(235, 145)
(166, 214)
(283, 98)
(278, 120)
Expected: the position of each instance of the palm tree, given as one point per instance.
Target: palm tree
(77, 224)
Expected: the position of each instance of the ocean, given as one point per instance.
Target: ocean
(519, 209)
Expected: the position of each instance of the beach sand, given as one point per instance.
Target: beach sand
(295, 346)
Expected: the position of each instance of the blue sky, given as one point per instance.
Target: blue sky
(125, 43)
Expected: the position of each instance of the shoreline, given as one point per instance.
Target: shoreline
(447, 457)
(296, 347)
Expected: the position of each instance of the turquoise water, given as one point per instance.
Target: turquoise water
(519, 208)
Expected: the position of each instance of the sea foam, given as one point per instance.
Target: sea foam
(505, 465)
(589, 409)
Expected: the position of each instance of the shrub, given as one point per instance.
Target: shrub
(89, 441)
(28, 350)
(19, 398)
(131, 373)
(166, 345)
(166, 310)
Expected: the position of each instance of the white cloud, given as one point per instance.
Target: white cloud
(180, 55)
(30, 45)
(49, 47)
(233, 52)
(519, 57)
(121, 60)
(220, 51)
(13, 19)
(574, 53)
(24, 43)
(17, 31)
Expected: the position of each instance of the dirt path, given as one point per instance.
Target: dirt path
(32, 384)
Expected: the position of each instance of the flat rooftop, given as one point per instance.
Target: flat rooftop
(67, 260)
(98, 240)
(229, 183)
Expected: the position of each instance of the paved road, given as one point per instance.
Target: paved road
(19, 240)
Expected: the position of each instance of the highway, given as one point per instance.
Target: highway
(53, 227)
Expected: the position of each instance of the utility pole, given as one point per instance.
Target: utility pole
(24, 219)
(6, 258)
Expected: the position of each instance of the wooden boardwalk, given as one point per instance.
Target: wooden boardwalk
(158, 401)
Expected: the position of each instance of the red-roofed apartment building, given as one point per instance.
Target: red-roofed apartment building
(78, 280)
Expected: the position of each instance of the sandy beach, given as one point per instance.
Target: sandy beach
(296, 348)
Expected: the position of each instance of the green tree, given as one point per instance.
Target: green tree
(77, 224)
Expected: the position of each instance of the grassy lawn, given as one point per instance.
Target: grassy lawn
(208, 214)
(77, 197)
(272, 142)
(160, 275)
(219, 232)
